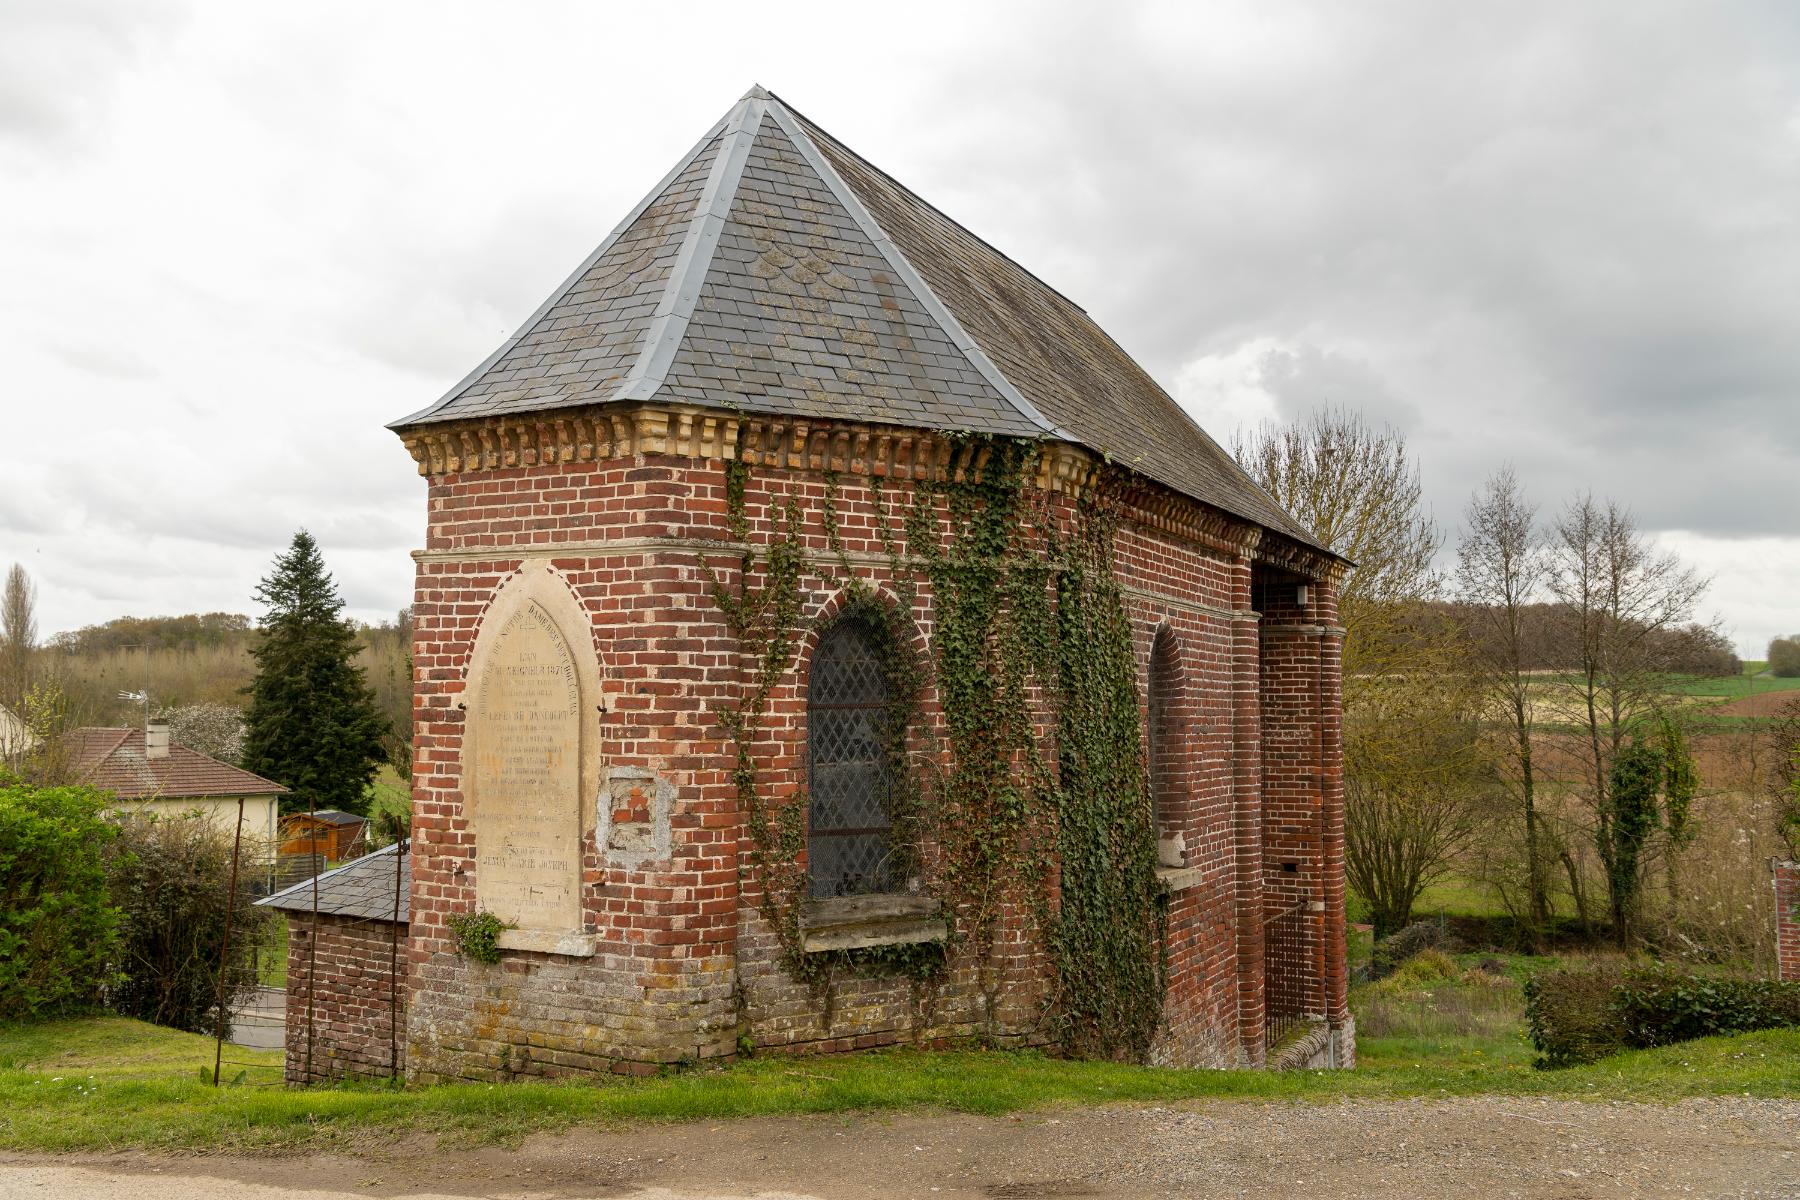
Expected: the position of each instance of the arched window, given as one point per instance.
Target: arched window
(851, 768)
(1167, 746)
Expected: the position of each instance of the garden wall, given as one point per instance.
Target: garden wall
(353, 1029)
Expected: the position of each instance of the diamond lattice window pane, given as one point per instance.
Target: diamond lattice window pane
(847, 846)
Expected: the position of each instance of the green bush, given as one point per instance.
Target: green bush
(477, 935)
(1580, 1016)
(1570, 1018)
(57, 928)
(1784, 656)
(171, 879)
(1658, 1008)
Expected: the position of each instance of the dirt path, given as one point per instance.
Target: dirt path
(1405, 1150)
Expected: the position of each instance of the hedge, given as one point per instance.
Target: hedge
(1579, 1016)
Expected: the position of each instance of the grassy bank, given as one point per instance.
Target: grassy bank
(109, 1083)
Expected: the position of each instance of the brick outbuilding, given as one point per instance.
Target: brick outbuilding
(780, 323)
(346, 993)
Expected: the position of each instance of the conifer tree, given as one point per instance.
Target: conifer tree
(313, 723)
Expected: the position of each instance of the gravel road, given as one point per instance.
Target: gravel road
(1395, 1150)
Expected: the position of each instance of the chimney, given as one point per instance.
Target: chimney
(156, 739)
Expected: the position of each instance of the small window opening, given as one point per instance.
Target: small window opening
(850, 766)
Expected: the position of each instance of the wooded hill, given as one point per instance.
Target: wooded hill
(199, 658)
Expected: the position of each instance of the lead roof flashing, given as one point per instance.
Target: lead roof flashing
(670, 322)
(568, 284)
(865, 220)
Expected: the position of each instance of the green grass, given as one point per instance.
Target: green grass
(1730, 687)
(108, 1083)
(389, 793)
(272, 954)
(1456, 896)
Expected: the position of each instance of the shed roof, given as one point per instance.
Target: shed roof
(363, 888)
(776, 271)
(114, 759)
(326, 816)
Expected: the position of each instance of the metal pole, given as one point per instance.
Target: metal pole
(231, 899)
(394, 968)
(312, 936)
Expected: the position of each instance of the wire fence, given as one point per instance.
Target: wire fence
(288, 871)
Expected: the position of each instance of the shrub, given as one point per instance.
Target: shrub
(170, 878)
(1658, 1007)
(477, 935)
(1784, 656)
(1426, 968)
(1570, 1018)
(1579, 1016)
(57, 928)
(1390, 952)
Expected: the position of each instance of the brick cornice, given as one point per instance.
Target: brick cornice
(619, 431)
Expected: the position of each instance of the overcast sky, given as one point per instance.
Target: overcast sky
(237, 239)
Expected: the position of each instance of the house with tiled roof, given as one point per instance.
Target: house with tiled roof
(706, 823)
(148, 772)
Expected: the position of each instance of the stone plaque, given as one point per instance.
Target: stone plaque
(526, 776)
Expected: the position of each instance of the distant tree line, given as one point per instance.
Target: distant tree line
(193, 631)
(1548, 637)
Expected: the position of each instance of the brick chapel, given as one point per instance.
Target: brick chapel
(779, 325)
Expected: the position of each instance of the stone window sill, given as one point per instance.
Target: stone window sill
(1178, 879)
(858, 922)
(545, 941)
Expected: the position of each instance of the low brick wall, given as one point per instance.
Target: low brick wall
(1787, 920)
(352, 1015)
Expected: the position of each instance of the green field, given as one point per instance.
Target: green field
(106, 1083)
(1732, 687)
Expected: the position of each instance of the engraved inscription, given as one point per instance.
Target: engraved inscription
(527, 776)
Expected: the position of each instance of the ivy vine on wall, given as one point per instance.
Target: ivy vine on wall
(1031, 639)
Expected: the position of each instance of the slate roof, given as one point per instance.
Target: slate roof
(113, 759)
(363, 889)
(776, 271)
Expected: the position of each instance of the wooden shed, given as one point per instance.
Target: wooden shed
(328, 832)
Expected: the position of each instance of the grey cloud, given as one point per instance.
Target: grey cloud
(1582, 218)
(1564, 236)
(110, 361)
(435, 312)
(1309, 378)
(60, 61)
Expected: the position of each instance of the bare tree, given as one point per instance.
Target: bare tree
(1783, 783)
(18, 636)
(1413, 766)
(1358, 490)
(1500, 572)
(1619, 594)
(1417, 782)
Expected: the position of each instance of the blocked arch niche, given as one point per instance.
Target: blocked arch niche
(531, 763)
(1166, 732)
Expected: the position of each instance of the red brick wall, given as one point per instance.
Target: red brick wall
(1787, 920)
(351, 1008)
(1300, 697)
(685, 963)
